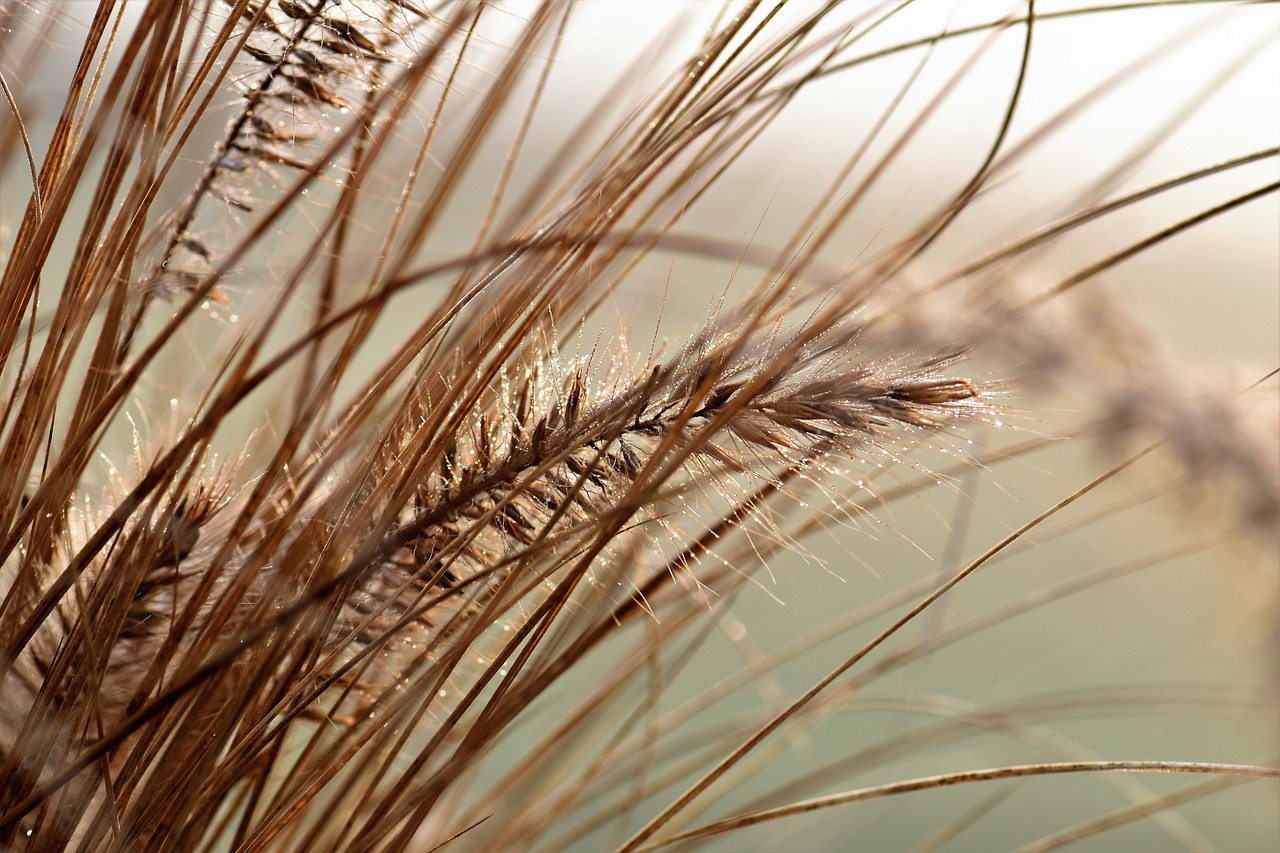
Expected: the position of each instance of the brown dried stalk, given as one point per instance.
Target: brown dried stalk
(415, 547)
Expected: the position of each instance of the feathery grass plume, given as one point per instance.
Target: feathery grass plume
(448, 526)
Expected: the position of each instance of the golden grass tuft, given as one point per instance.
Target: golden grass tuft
(367, 482)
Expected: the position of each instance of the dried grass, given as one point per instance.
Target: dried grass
(421, 551)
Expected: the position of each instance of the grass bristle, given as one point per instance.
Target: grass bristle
(341, 509)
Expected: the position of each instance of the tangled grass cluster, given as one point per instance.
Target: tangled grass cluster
(365, 486)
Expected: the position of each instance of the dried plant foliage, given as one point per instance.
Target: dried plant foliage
(406, 540)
